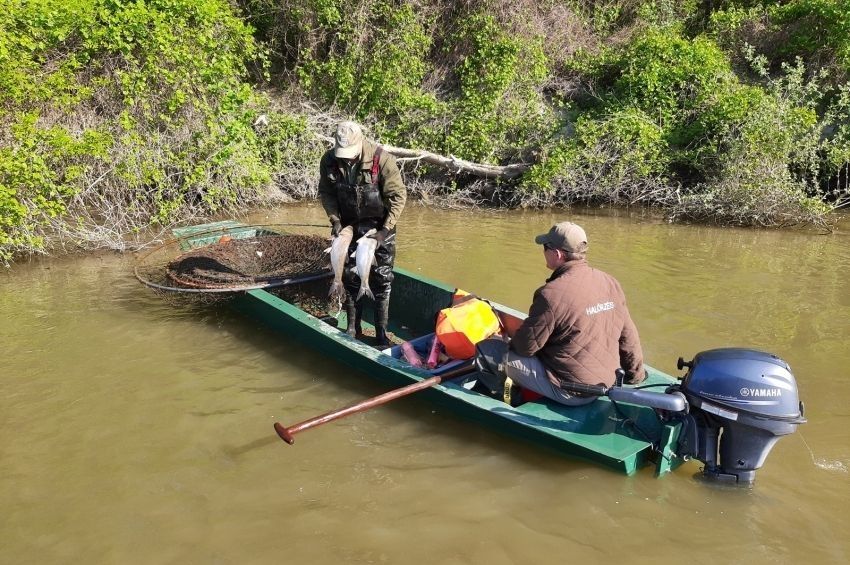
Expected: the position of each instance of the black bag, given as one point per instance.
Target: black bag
(490, 360)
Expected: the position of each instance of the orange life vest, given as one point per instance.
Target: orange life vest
(465, 323)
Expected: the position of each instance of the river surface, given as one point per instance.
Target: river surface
(135, 431)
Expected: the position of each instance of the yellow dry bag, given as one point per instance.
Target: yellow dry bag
(465, 323)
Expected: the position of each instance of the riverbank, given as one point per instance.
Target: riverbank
(149, 114)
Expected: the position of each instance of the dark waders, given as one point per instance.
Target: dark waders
(380, 282)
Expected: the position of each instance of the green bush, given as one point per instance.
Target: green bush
(671, 118)
(375, 62)
(770, 164)
(671, 77)
(41, 169)
(138, 106)
(836, 140)
(815, 27)
(498, 105)
(610, 158)
(662, 103)
(816, 31)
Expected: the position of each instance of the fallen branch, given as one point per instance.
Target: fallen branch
(458, 165)
(452, 163)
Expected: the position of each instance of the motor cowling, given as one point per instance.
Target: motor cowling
(741, 402)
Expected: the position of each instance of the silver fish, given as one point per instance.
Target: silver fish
(364, 256)
(339, 251)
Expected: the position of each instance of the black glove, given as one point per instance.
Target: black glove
(336, 227)
(380, 236)
(635, 378)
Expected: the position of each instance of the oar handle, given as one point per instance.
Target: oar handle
(287, 433)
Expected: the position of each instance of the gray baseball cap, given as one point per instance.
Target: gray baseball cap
(348, 141)
(565, 235)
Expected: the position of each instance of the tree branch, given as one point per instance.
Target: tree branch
(458, 165)
(453, 163)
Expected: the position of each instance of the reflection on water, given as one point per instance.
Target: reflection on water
(132, 431)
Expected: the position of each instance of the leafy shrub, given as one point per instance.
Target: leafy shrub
(815, 27)
(836, 141)
(673, 119)
(139, 115)
(611, 158)
(291, 148)
(770, 166)
(498, 102)
(816, 31)
(671, 77)
(662, 102)
(375, 61)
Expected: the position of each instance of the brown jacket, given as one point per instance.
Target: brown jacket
(580, 328)
(393, 191)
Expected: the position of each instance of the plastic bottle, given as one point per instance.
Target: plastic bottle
(433, 354)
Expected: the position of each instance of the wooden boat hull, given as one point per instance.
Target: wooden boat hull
(624, 437)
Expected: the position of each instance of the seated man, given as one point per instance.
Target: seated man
(578, 327)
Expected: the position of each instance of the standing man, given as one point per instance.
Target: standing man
(578, 328)
(360, 185)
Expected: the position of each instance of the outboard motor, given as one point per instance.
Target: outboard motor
(741, 401)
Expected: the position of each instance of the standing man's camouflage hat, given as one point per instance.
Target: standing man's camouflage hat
(566, 235)
(348, 140)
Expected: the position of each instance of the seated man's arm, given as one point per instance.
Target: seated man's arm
(631, 353)
(536, 329)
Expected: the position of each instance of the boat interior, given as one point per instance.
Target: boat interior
(414, 305)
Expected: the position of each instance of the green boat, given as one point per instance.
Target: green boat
(619, 435)
(727, 411)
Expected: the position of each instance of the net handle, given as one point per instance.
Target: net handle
(243, 288)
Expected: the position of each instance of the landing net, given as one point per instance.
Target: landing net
(232, 259)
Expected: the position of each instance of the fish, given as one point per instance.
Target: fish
(339, 251)
(364, 256)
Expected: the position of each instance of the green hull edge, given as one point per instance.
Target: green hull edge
(595, 432)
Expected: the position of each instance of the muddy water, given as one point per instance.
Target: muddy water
(132, 431)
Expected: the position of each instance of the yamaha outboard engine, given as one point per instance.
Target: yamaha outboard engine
(741, 402)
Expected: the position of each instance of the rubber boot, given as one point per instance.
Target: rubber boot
(354, 313)
(382, 316)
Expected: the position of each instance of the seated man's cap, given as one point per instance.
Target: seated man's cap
(566, 235)
(348, 140)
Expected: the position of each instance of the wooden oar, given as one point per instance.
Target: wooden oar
(287, 433)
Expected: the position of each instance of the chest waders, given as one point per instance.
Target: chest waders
(361, 205)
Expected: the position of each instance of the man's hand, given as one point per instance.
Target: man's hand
(635, 378)
(380, 236)
(336, 227)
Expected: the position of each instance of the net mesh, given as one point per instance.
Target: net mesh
(250, 261)
(221, 261)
